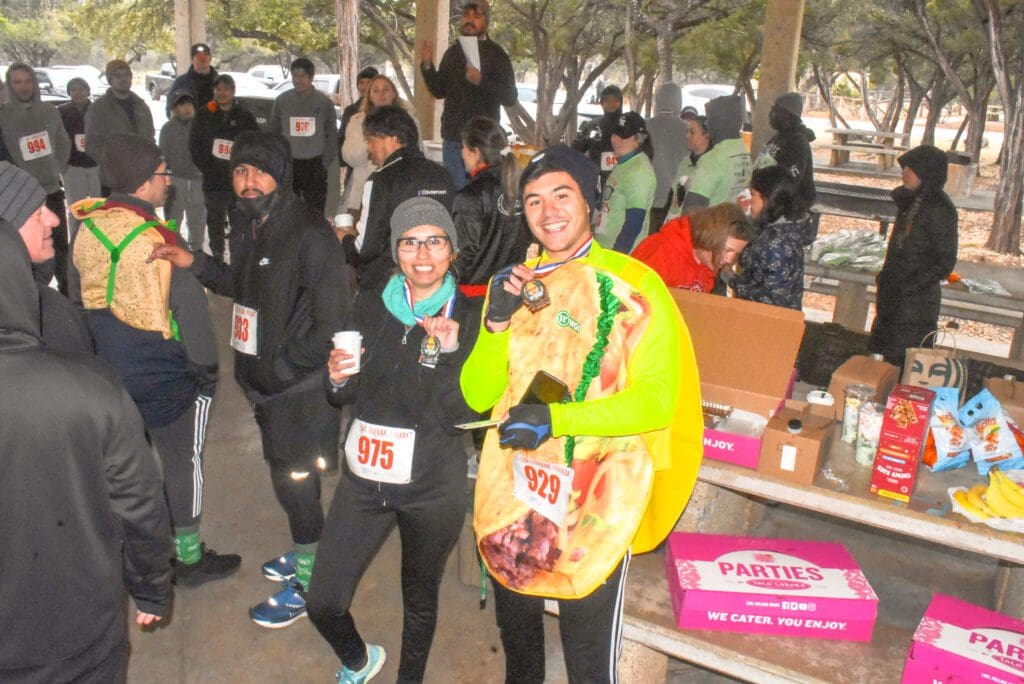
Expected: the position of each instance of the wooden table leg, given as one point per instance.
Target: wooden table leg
(1017, 343)
(851, 306)
(1009, 590)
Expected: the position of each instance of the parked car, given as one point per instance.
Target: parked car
(245, 82)
(699, 94)
(269, 74)
(157, 84)
(45, 84)
(61, 74)
(328, 84)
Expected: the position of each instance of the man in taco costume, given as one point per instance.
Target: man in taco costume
(568, 490)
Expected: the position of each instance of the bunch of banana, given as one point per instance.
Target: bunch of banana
(1000, 498)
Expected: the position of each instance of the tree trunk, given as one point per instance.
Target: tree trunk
(1005, 234)
(664, 47)
(348, 49)
(975, 127)
(937, 99)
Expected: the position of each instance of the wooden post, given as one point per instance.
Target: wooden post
(189, 28)
(782, 22)
(432, 21)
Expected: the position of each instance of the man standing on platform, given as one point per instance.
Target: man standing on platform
(306, 118)
(475, 79)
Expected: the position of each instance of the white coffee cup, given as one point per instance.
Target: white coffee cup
(350, 341)
(344, 221)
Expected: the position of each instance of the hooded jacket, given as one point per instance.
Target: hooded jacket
(82, 509)
(724, 170)
(34, 135)
(491, 229)
(74, 124)
(290, 269)
(106, 117)
(595, 141)
(670, 253)
(790, 149)
(922, 252)
(668, 137)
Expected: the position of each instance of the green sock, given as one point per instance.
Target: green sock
(304, 555)
(186, 544)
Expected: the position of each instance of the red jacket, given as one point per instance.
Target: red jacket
(670, 253)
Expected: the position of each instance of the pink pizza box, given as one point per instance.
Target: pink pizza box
(769, 586)
(959, 642)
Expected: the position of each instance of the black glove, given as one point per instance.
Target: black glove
(528, 426)
(501, 304)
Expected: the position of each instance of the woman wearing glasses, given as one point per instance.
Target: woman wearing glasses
(405, 463)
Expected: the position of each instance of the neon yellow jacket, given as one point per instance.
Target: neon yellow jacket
(661, 401)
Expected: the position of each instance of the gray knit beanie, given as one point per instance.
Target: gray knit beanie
(128, 161)
(421, 211)
(20, 195)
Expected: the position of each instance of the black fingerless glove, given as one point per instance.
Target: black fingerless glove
(528, 426)
(501, 304)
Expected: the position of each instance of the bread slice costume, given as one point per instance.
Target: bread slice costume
(111, 252)
(611, 477)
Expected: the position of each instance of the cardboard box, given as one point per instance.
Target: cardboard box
(795, 456)
(959, 642)
(863, 370)
(769, 586)
(1010, 394)
(904, 428)
(745, 355)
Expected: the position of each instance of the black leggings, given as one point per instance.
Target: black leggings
(360, 519)
(590, 627)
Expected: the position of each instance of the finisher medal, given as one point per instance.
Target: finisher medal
(430, 351)
(534, 295)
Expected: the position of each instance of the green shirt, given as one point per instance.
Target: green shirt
(631, 185)
(723, 172)
(648, 401)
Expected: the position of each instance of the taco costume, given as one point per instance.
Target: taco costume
(555, 522)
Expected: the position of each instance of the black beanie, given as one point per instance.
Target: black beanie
(128, 161)
(269, 152)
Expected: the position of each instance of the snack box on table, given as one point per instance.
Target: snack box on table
(745, 356)
(904, 429)
(958, 642)
(770, 586)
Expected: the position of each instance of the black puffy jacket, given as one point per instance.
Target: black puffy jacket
(208, 126)
(491, 229)
(922, 252)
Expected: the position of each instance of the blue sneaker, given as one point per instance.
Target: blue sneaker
(281, 609)
(375, 658)
(280, 569)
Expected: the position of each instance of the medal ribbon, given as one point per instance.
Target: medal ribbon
(583, 251)
(447, 310)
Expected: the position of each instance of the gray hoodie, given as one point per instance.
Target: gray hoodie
(668, 137)
(174, 145)
(34, 135)
(725, 117)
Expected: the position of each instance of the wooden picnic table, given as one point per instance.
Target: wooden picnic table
(854, 291)
(881, 144)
